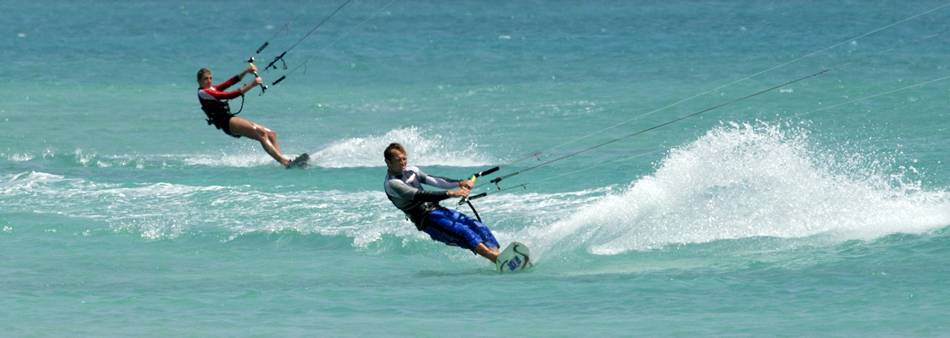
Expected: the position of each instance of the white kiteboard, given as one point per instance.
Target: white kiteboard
(516, 257)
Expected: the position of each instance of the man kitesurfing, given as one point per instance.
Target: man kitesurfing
(403, 186)
(214, 102)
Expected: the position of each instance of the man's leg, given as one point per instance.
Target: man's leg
(488, 248)
(267, 137)
(483, 231)
(454, 228)
(484, 251)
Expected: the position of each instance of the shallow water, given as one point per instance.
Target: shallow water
(784, 214)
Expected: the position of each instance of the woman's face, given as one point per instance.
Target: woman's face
(205, 81)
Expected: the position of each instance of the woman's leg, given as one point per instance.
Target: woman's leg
(262, 134)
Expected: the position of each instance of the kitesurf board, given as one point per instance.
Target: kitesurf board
(516, 257)
(300, 161)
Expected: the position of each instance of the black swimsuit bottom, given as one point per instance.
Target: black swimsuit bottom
(223, 121)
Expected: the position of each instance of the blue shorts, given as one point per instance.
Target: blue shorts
(454, 228)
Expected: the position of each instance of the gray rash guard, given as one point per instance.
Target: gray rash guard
(406, 193)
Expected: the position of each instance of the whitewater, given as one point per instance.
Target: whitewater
(798, 212)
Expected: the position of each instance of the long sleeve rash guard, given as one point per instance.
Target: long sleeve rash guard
(406, 192)
(214, 100)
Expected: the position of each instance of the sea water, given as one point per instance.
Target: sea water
(803, 211)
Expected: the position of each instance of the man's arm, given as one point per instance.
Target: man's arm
(403, 191)
(437, 181)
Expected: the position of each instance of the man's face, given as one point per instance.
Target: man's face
(396, 161)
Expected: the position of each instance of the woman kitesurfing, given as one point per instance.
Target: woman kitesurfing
(214, 102)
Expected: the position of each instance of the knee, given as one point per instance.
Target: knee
(266, 132)
(261, 132)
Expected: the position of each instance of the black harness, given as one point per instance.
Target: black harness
(215, 109)
(418, 212)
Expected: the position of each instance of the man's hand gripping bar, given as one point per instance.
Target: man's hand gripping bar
(474, 178)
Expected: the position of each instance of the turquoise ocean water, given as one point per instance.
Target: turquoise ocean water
(789, 213)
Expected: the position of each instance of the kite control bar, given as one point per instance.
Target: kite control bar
(468, 200)
(474, 178)
(263, 85)
(484, 172)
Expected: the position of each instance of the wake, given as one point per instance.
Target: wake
(750, 180)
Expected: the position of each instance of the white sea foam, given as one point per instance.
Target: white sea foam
(425, 148)
(242, 159)
(168, 211)
(737, 181)
(25, 181)
(744, 180)
(165, 210)
(83, 158)
(18, 157)
(87, 159)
